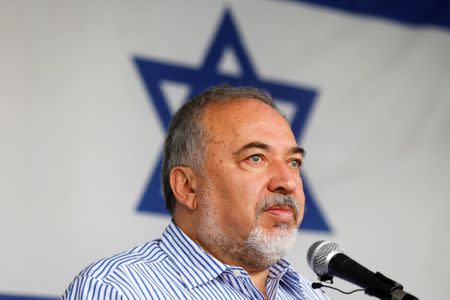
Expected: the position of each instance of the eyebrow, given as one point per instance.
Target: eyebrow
(299, 150)
(265, 147)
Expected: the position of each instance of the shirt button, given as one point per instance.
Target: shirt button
(236, 273)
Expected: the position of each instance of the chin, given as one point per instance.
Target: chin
(280, 227)
(285, 226)
(272, 244)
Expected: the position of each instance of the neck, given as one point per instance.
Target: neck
(259, 279)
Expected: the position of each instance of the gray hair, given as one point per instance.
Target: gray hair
(186, 139)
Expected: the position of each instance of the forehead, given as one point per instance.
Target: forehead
(240, 120)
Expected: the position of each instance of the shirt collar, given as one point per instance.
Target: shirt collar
(285, 273)
(280, 268)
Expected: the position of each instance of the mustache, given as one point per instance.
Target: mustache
(278, 199)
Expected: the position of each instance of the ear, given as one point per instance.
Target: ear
(183, 182)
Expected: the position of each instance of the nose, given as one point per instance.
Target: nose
(283, 178)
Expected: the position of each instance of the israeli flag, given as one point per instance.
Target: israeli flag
(88, 88)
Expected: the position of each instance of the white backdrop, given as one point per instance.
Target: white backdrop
(80, 136)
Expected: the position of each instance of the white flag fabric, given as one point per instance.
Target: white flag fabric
(88, 88)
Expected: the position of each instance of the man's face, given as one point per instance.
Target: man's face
(252, 161)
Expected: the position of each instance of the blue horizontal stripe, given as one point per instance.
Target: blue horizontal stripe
(411, 12)
(29, 297)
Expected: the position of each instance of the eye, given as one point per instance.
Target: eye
(255, 158)
(296, 163)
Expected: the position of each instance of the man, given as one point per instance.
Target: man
(231, 179)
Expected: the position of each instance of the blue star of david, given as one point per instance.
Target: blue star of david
(227, 37)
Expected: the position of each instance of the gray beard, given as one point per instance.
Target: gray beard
(261, 249)
(268, 248)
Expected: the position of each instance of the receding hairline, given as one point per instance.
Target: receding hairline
(206, 126)
(223, 100)
(232, 100)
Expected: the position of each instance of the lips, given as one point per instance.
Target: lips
(284, 212)
(279, 208)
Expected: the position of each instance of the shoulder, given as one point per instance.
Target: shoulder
(105, 276)
(148, 253)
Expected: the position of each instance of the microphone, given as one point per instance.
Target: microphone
(327, 260)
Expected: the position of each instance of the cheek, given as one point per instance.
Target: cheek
(235, 191)
(238, 199)
(301, 205)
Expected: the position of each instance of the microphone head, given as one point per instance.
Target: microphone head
(320, 254)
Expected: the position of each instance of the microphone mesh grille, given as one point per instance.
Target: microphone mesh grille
(317, 256)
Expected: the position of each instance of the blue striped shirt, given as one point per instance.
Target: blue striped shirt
(175, 267)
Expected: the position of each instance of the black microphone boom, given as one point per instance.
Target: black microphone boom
(327, 260)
